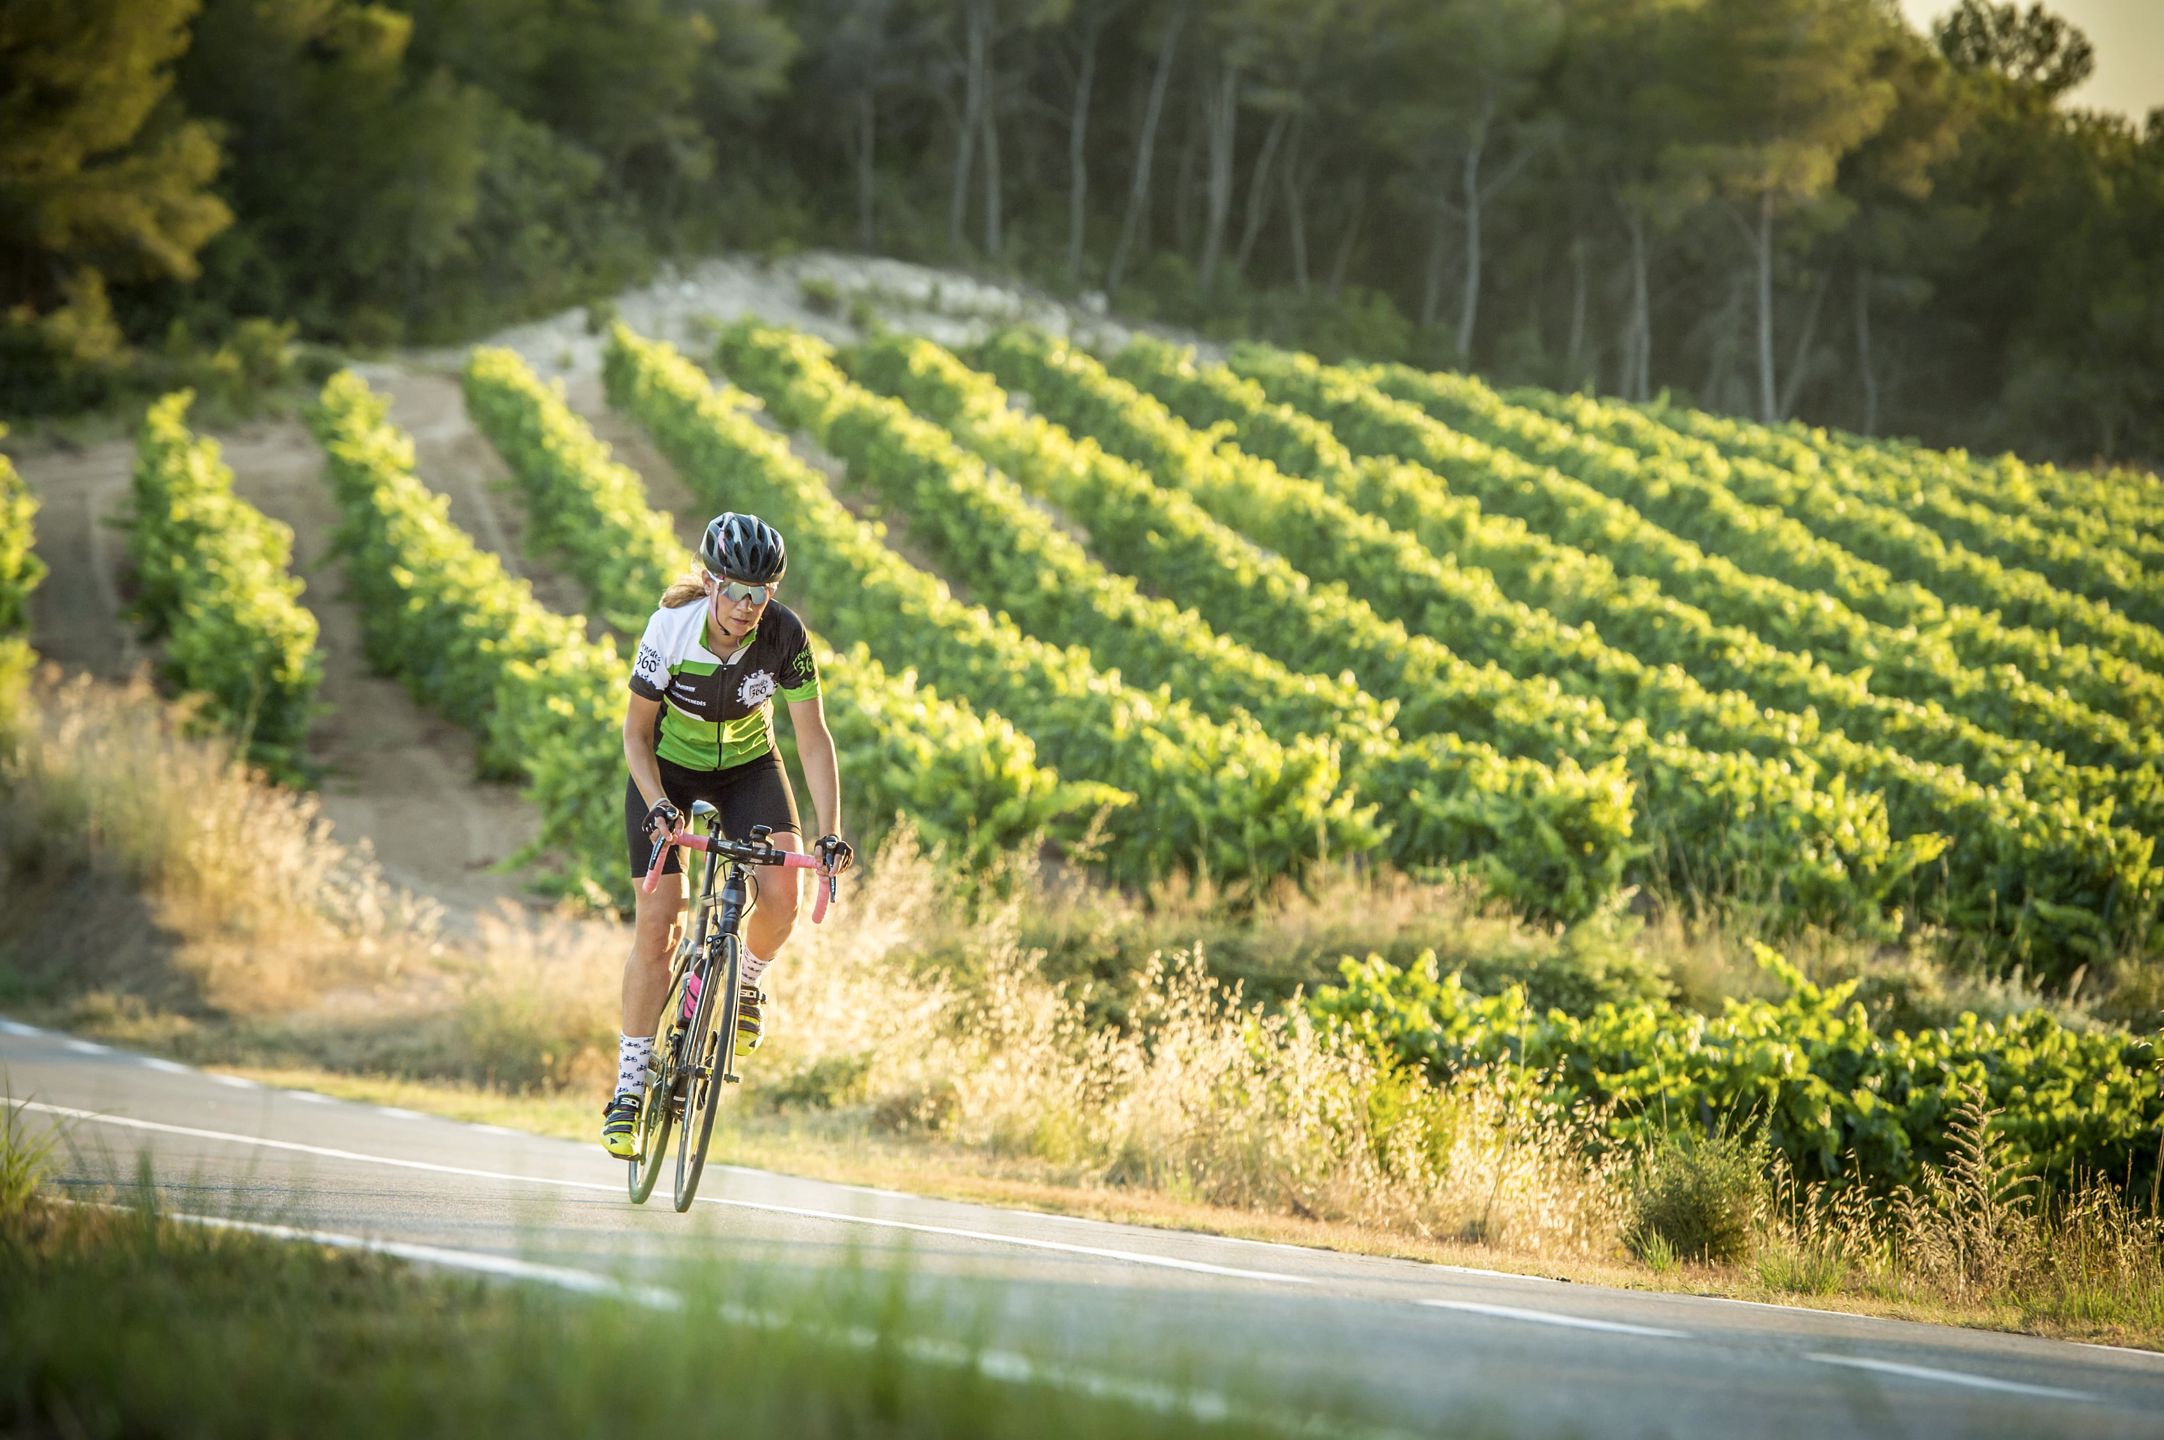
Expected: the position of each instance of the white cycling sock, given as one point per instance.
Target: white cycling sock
(754, 967)
(632, 1053)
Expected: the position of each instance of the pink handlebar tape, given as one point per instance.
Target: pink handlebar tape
(692, 840)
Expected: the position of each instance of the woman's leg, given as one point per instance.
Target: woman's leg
(768, 929)
(646, 970)
(759, 794)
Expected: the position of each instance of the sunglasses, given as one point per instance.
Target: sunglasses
(736, 590)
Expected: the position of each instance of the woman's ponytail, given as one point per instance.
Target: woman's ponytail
(683, 591)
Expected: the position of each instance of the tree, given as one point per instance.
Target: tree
(1789, 89)
(352, 181)
(1471, 72)
(1169, 26)
(102, 176)
(1898, 238)
(2033, 48)
(1627, 85)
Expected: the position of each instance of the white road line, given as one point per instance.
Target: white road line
(2120, 1349)
(16, 1027)
(1549, 1317)
(85, 1047)
(497, 1130)
(1133, 1257)
(311, 1097)
(1205, 1405)
(233, 1080)
(1792, 1309)
(170, 1067)
(1951, 1377)
(401, 1114)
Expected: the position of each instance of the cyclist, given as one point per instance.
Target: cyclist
(700, 726)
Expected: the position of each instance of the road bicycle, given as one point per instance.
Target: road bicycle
(695, 1056)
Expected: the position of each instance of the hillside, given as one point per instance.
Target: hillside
(1758, 599)
(395, 775)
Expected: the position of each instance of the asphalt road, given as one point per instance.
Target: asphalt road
(1328, 1342)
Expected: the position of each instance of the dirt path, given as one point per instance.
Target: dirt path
(76, 614)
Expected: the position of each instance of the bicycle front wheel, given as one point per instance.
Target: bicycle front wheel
(663, 1096)
(712, 1040)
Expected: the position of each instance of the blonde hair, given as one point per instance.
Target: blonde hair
(681, 592)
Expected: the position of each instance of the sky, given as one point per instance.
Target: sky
(2128, 36)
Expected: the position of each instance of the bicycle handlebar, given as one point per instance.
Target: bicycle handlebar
(747, 854)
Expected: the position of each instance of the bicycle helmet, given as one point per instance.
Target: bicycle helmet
(743, 547)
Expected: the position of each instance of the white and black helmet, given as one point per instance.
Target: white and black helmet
(743, 547)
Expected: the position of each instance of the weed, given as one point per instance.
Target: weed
(22, 1160)
(1698, 1197)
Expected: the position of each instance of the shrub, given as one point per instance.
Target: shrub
(215, 583)
(20, 568)
(1696, 1197)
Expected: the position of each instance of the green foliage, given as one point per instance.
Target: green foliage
(2063, 878)
(2116, 519)
(1549, 840)
(1726, 587)
(1833, 1096)
(820, 295)
(1894, 575)
(1583, 586)
(442, 615)
(1224, 800)
(214, 582)
(966, 780)
(99, 179)
(1806, 849)
(23, 1159)
(1908, 519)
(20, 568)
(1697, 1197)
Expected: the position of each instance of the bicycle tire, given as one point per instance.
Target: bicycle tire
(657, 1110)
(715, 1046)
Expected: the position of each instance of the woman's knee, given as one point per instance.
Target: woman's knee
(652, 920)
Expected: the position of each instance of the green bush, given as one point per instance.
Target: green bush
(20, 568)
(1686, 497)
(1550, 840)
(1714, 823)
(1697, 1197)
(821, 296)
(2054, 881)
(214, 582)
(1835, 1097)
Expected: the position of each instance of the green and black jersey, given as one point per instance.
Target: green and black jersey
(718, 713)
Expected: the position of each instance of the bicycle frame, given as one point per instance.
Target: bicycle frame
(697, 1055)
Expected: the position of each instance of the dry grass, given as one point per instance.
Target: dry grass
(1976, 1233)
(252, 908)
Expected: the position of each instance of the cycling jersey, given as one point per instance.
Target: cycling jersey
(716, 713)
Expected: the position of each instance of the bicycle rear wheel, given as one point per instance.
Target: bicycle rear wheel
(712, 1039)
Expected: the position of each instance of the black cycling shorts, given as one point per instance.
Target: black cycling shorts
(756, 792)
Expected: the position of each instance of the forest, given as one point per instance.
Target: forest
(1776, 208)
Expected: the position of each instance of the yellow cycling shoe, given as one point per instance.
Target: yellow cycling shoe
(620, 1126)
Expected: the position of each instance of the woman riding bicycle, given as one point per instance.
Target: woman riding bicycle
(700, 726)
